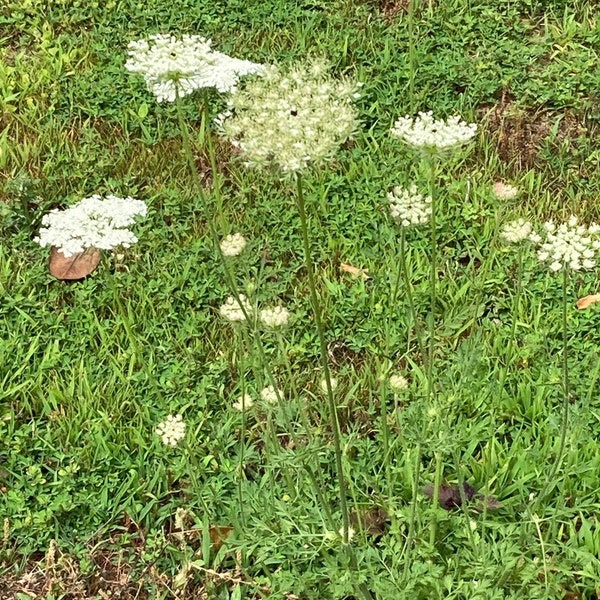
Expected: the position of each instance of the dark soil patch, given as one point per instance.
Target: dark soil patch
(520, 133)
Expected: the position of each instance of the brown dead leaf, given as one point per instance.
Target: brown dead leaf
(78, 266)
(450, 496)
(587, 300)
(354, 271)
(373, 521)
(218, 534)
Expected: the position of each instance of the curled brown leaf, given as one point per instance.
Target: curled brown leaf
(69, 268)
(346, 268)
(587, 301)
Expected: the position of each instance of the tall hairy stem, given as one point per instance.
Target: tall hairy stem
(333, 412)
(566, 393)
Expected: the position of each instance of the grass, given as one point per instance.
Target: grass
(89, 497)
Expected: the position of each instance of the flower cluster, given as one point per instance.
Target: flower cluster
(408, 207)
(505, 191)
(93, 222)
(243, 402)
(516, 231)
(398, 383)
(171, 430)
(433, 135)
(277, 316)
(174, 66)
(270, 395)
(569, 245)
(291, 120)
(233, 244)
(232, 309)
(333, 381)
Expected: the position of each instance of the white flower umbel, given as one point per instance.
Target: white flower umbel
(174, 66)
(232, 309)
(569, 245)
(505, 191)
(243, 402)
(233, 244)
(433, 135)
(93, 222)
(291, 120)
(278, 316)
(334, 384)
(398, 383)
(270, 395)
(172, 430)
(408, 207)
(516, 231)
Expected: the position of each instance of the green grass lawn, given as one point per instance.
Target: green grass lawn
(254, 503)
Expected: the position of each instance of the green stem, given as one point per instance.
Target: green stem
(240, 477)
(333, 413)
(411, 54)
(409, 293)
(429, 370)
(212, 157)
(566, 395)
(413, 512)
(194, 470)
(432, 283)
(436, 497)
(187, 149)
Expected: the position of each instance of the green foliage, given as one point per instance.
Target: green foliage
(87, 370)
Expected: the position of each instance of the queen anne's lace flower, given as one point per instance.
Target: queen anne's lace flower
(398, 383)
(569, 245)
(243, 402)
(93, 222)
(277, 316)
(174, 66)
(505, 191)
(334, 384)
(171, 430)
(408, 207)
(516, 231)
(291, 120)
(233, 244)
(433, 135)
(232, 309)
(270, 395)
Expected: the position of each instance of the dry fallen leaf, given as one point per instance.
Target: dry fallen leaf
(218, 534)
(78, 266)
(587, 300)
(374, 521)
(450, 496)
(354, 270)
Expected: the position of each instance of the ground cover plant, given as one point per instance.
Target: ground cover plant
(297, 336)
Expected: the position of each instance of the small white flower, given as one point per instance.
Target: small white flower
(171, 430)
(93, 222)
(570, 245)
(516, 231)
(398, 383)
(243, 402)
(277, 316)
(505, 191)
(408, 207)
(232, 309)
(270, 395)
(433, 135)
(334, 384)
(233, 244)
(172, 66)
